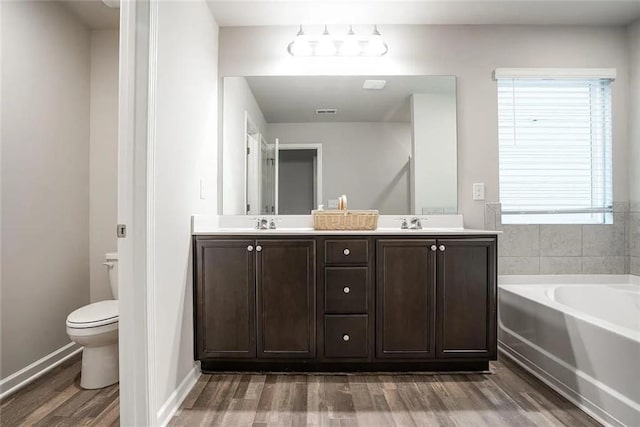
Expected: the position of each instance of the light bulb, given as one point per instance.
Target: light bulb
(300, 46)
(325, 46)
(351, 44)
(376, 45)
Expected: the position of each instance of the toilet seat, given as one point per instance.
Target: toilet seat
(95, 315)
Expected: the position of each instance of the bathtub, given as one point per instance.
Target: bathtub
(580, 335)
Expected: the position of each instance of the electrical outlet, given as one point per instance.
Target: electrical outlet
(333, 203)
(478, 191)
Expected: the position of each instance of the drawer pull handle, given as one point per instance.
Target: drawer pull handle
(346, 338)
(442, 248)
(346, 290)
(433, 248)
(250, 248)
(346, 252)
(259, 248)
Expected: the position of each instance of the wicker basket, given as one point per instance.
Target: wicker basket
(345, 220)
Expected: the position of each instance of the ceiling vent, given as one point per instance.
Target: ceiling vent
(326, 111)
(374, 84)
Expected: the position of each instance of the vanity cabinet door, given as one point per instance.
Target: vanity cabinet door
(224, 299)
(405, 298)
(286, 285)
(466, 289)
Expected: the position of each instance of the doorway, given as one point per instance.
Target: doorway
(299, 178)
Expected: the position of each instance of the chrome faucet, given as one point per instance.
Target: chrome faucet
(262, 224)
(416, 224)
(404, 225)
(265, 224)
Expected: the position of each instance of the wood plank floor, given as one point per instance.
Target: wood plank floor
(508, 397)
(56, 399)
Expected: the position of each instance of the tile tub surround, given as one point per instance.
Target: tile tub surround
(569, 248)
(633, 238)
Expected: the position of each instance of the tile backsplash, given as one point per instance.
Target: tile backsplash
(569, 248)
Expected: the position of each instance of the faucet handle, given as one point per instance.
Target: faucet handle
(404, 224)
(416, 224)
(272, 223)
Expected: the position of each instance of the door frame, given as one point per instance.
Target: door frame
(136, 153)
(317, 147)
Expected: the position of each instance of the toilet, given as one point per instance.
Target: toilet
(95, 327)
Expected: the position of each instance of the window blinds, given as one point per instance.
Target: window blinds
(555, 145)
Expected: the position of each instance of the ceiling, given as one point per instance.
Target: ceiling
(94, 13)
(453, 12)
(286, 99)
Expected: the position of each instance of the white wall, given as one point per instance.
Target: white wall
(471, 53)
(433, 154)
(237, 99)
(366, 161)
(185, 153)
(45, 178)
(103, 158)
(634, 113)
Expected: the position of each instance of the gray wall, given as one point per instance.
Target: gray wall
(366, 161)
(45, 178)
(471, 53)
(634, 146)
(103, 158)
(185, 155)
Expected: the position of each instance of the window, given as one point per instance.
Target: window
(555, 149)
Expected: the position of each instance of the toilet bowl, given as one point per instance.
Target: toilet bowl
(95, 327)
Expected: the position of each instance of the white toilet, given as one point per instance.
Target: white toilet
(95, 326)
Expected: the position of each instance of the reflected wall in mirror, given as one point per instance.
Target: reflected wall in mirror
(291, 143)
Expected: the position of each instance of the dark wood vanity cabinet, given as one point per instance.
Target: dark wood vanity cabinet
(225, 299)
(406, 298)
(466, 298)
(345, 303)
(286, 287)
(254, 298)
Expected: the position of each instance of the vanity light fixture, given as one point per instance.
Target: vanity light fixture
(327, 45)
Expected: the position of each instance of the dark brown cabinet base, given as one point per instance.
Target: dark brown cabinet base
(338, 303)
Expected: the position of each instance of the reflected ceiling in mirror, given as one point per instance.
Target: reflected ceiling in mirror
(291, 143)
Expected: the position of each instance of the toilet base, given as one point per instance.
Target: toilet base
(100, 366)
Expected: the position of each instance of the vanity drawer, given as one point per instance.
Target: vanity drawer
(346, 336)
(345, 289)
(346, 251)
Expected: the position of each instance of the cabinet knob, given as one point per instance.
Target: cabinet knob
(442, 248)
(346, 290)
(259, 248)
(346, 252)
(346, 338)
(434, 247)
(250, 248)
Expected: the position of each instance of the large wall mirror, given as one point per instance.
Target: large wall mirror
(291, 143)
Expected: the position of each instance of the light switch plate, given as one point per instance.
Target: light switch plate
(203, 189)
(478, 191)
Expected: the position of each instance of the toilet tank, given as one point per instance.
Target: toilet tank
(111, 261)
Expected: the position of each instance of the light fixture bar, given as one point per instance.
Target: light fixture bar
(349, 45)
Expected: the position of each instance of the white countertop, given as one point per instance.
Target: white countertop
(228, 225)
(311, 231)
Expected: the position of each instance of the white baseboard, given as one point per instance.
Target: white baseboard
(24, 376)
(174, 401)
